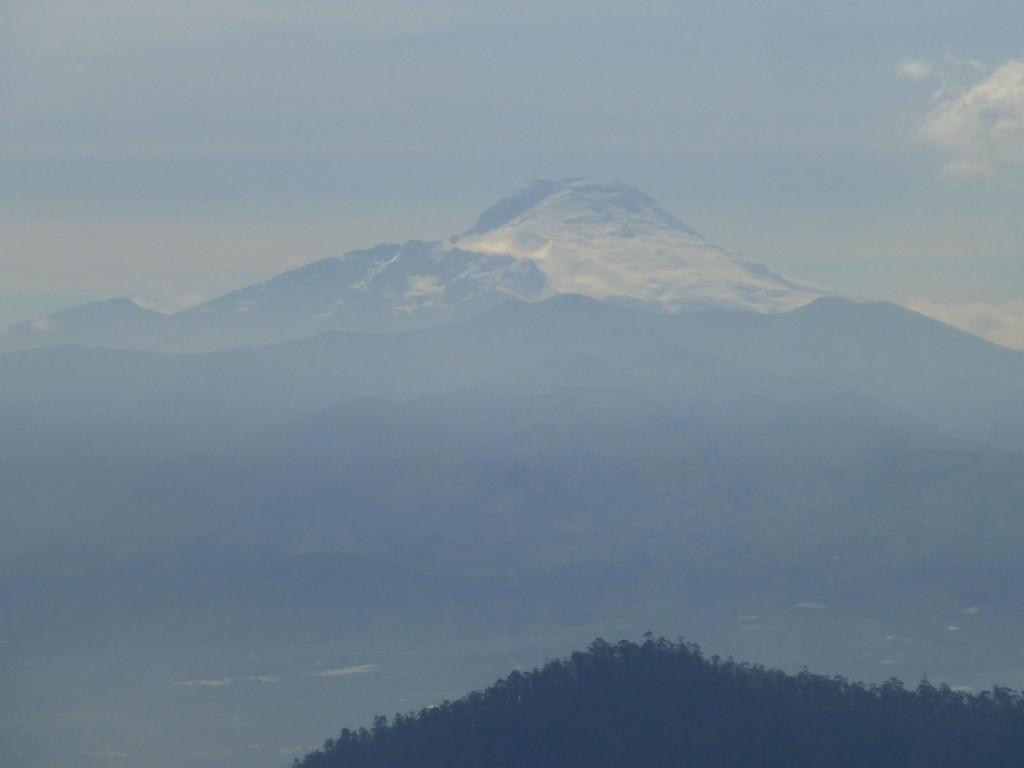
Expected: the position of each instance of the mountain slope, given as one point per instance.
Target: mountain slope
(960, 382)
(387, 288)
(112, 322)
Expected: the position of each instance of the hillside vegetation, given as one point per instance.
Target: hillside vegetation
(665, 704)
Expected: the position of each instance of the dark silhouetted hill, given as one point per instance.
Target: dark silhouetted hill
(665, 704)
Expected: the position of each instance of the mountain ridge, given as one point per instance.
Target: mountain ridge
(606, 240)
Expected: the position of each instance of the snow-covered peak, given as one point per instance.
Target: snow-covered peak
(604, 240)
(579, 202)
(612, 241)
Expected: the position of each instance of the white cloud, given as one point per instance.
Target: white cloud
(211, 683)
(914, 69)
(223, 682)
(259, 679)
(170, 302)
(361, 669)
(1002, 323)
(980, 127)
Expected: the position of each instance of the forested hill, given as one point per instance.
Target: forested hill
(664, 704)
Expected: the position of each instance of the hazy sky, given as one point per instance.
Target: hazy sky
(173, 150)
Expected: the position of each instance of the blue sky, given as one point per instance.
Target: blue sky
(171, 151)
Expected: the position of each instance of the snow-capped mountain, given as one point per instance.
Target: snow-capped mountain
(387, 288)
(611, 241)
(604, 240)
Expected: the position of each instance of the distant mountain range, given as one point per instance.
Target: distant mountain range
(572, 236)
(838, 485)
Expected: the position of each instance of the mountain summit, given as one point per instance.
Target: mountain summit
(580, 198)
(571, 236)
(612, 241)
